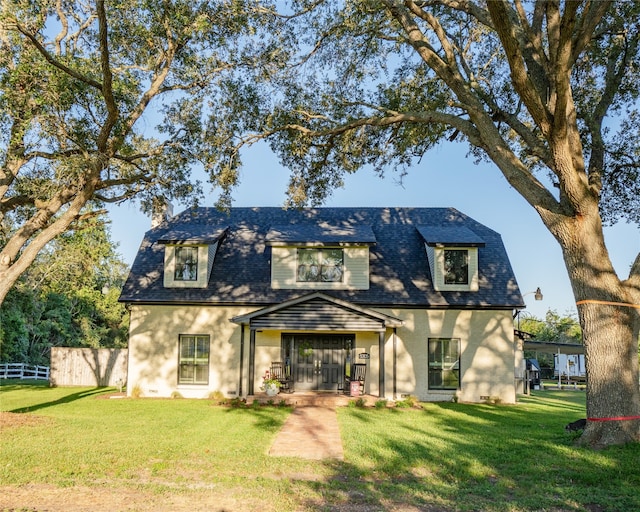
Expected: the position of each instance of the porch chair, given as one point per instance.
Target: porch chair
(358, 374)
(278, 372)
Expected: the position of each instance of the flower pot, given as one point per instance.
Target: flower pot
(271, 389)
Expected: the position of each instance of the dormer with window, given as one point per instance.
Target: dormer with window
(320, 257)
(453, 257)
(188, 260)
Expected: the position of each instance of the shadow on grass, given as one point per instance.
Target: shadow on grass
(476, 457)
(65, 399)
(264, 415)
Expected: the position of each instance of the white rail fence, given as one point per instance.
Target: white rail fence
(23, 371)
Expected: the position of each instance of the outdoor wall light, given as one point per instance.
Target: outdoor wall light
(537, 294)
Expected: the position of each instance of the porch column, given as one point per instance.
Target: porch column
(252, 360)
(395, 364)
(381, 364)
(242, 326)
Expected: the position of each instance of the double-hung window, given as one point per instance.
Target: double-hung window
(320, 265)
(456, 266)
(444, 363)
(186, 267)
(193, 361)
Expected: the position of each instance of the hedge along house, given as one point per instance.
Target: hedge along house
(423, 296)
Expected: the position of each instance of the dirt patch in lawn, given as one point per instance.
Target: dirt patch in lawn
(42, 497)
(47, 498)
(106, 396)
(14, 420)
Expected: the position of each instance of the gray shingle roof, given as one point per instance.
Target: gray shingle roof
(321, 234)
(194, 234)
(452, 236)
(399, 269)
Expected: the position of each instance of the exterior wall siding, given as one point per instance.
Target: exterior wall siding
(356, 270)
(487, 352)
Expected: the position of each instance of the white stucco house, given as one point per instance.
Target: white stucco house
(423, 296)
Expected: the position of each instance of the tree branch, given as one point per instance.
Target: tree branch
(107, 84)
(55, 62)
(591, 17)
(502, 15)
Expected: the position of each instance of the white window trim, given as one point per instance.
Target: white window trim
(195, 385)
(203, 268)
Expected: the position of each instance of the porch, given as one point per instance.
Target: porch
(317, 338)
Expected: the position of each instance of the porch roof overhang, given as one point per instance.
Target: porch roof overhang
(554, 348)
(317, 312)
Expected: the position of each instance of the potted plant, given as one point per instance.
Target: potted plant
(270, 386)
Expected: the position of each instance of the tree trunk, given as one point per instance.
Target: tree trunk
(613, 399)
(610, 331)
(23, 247)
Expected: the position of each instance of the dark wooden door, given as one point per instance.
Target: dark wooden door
(318, 362)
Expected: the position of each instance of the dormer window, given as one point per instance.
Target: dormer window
(320, 265)
(453, 257)
(186, 265)
(189, 257)
(320, 256)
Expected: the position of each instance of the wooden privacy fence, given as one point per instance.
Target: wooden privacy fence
(88, 366)
(23, 371)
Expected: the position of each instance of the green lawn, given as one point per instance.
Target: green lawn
(443, 457)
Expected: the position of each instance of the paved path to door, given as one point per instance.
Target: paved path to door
(310, 432)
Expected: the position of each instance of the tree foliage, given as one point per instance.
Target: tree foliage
(554, 328)
(103, 102)
(381, 83)
(68, 297)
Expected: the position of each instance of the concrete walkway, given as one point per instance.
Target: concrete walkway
(310, 432)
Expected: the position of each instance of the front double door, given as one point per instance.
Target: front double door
(318, 361)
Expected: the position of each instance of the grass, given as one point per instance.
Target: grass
(442, 457)
(481, 457)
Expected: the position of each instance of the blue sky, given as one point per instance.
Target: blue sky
(444, 177)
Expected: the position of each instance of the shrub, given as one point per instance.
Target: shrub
(408, 402)
(136, 391)
(381, 404)
(218, 397)
(237, 402)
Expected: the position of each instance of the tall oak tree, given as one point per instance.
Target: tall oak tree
(546, 90)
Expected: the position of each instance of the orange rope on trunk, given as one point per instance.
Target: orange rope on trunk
(616, 418)
(607, 303)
